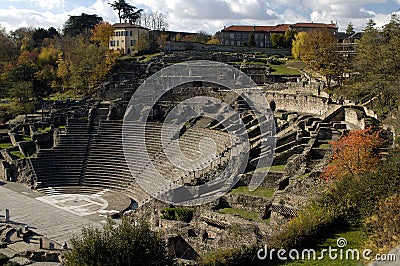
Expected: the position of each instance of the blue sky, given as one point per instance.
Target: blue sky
(208, 15)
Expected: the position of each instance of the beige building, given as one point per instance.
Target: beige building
(126, 35)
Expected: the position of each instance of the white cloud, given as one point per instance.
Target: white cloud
(44, 4)
(208, 15)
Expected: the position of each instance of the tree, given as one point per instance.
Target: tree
(143, 44)
(288, 38)
(101, 34)
(8, 49)
(350, 28)
(126, 11)
(251, 41)
(40, 34)
(377, 66)
(321, 55)
(82, 64)
(125, 244)
(82, 24)
(277, 40)
(354, 153)
(298, 45)
(162, 40)
(154, 21)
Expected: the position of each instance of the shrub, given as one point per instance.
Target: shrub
(3, 259)
(125, 244)
(384, 225)
(238, 256)
(304, 228)
(178, 214)
(353, 198)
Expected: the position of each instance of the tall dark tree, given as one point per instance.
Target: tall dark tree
(350, 28)
(277, 40)
(126, 11)
(378, 66)
(40, 34)
(84, 23)
(251, 41)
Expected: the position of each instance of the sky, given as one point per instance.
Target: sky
(208, 15)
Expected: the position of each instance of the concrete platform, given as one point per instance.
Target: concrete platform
(58, 217)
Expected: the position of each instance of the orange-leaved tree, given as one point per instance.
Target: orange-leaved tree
(356, 152)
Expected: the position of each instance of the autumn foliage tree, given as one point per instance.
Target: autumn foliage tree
(354, 154)
(101, 33)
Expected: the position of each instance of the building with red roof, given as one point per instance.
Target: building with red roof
(238, 35)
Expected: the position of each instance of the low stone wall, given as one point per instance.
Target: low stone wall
(183, 46)
(299, 103)
(247, 202)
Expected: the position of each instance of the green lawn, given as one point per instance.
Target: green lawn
(355, 237)
(252, 216)
(274, 168)
(17, 154)
(6, 145)
(283, 70)
(304, 176)
(262, 192)
(324, 146)
(71, 94)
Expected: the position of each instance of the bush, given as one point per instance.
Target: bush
(384, 225)
(310, 224)
(3, 259)
(177, 214)
(353, 198)
(238, 256)
(125, 244)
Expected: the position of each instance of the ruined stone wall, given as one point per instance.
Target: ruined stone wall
(183, 46)
(299, 103)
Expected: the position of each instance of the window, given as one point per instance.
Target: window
(232, 35)
(130, 33)
(133, 42)
(112, 43)
(117, 43)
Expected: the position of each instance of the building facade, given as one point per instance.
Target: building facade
(125, 36)
(239, 35)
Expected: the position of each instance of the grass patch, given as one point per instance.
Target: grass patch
(355, 237)
(304, 176)
(149, 57)
(324, 146)
(283, 70)
(262, 192)
(68, 94)
(6, 146)
(26, 138)
(248, 215)
(44, 130)
(17, 154)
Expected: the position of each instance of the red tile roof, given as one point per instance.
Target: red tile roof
(278, 28)
(281, 28)
(249, 28)
(127, 25)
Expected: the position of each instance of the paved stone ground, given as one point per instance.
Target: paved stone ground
(50, 221)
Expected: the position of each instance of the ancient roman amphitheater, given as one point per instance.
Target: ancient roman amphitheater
(75, 171)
